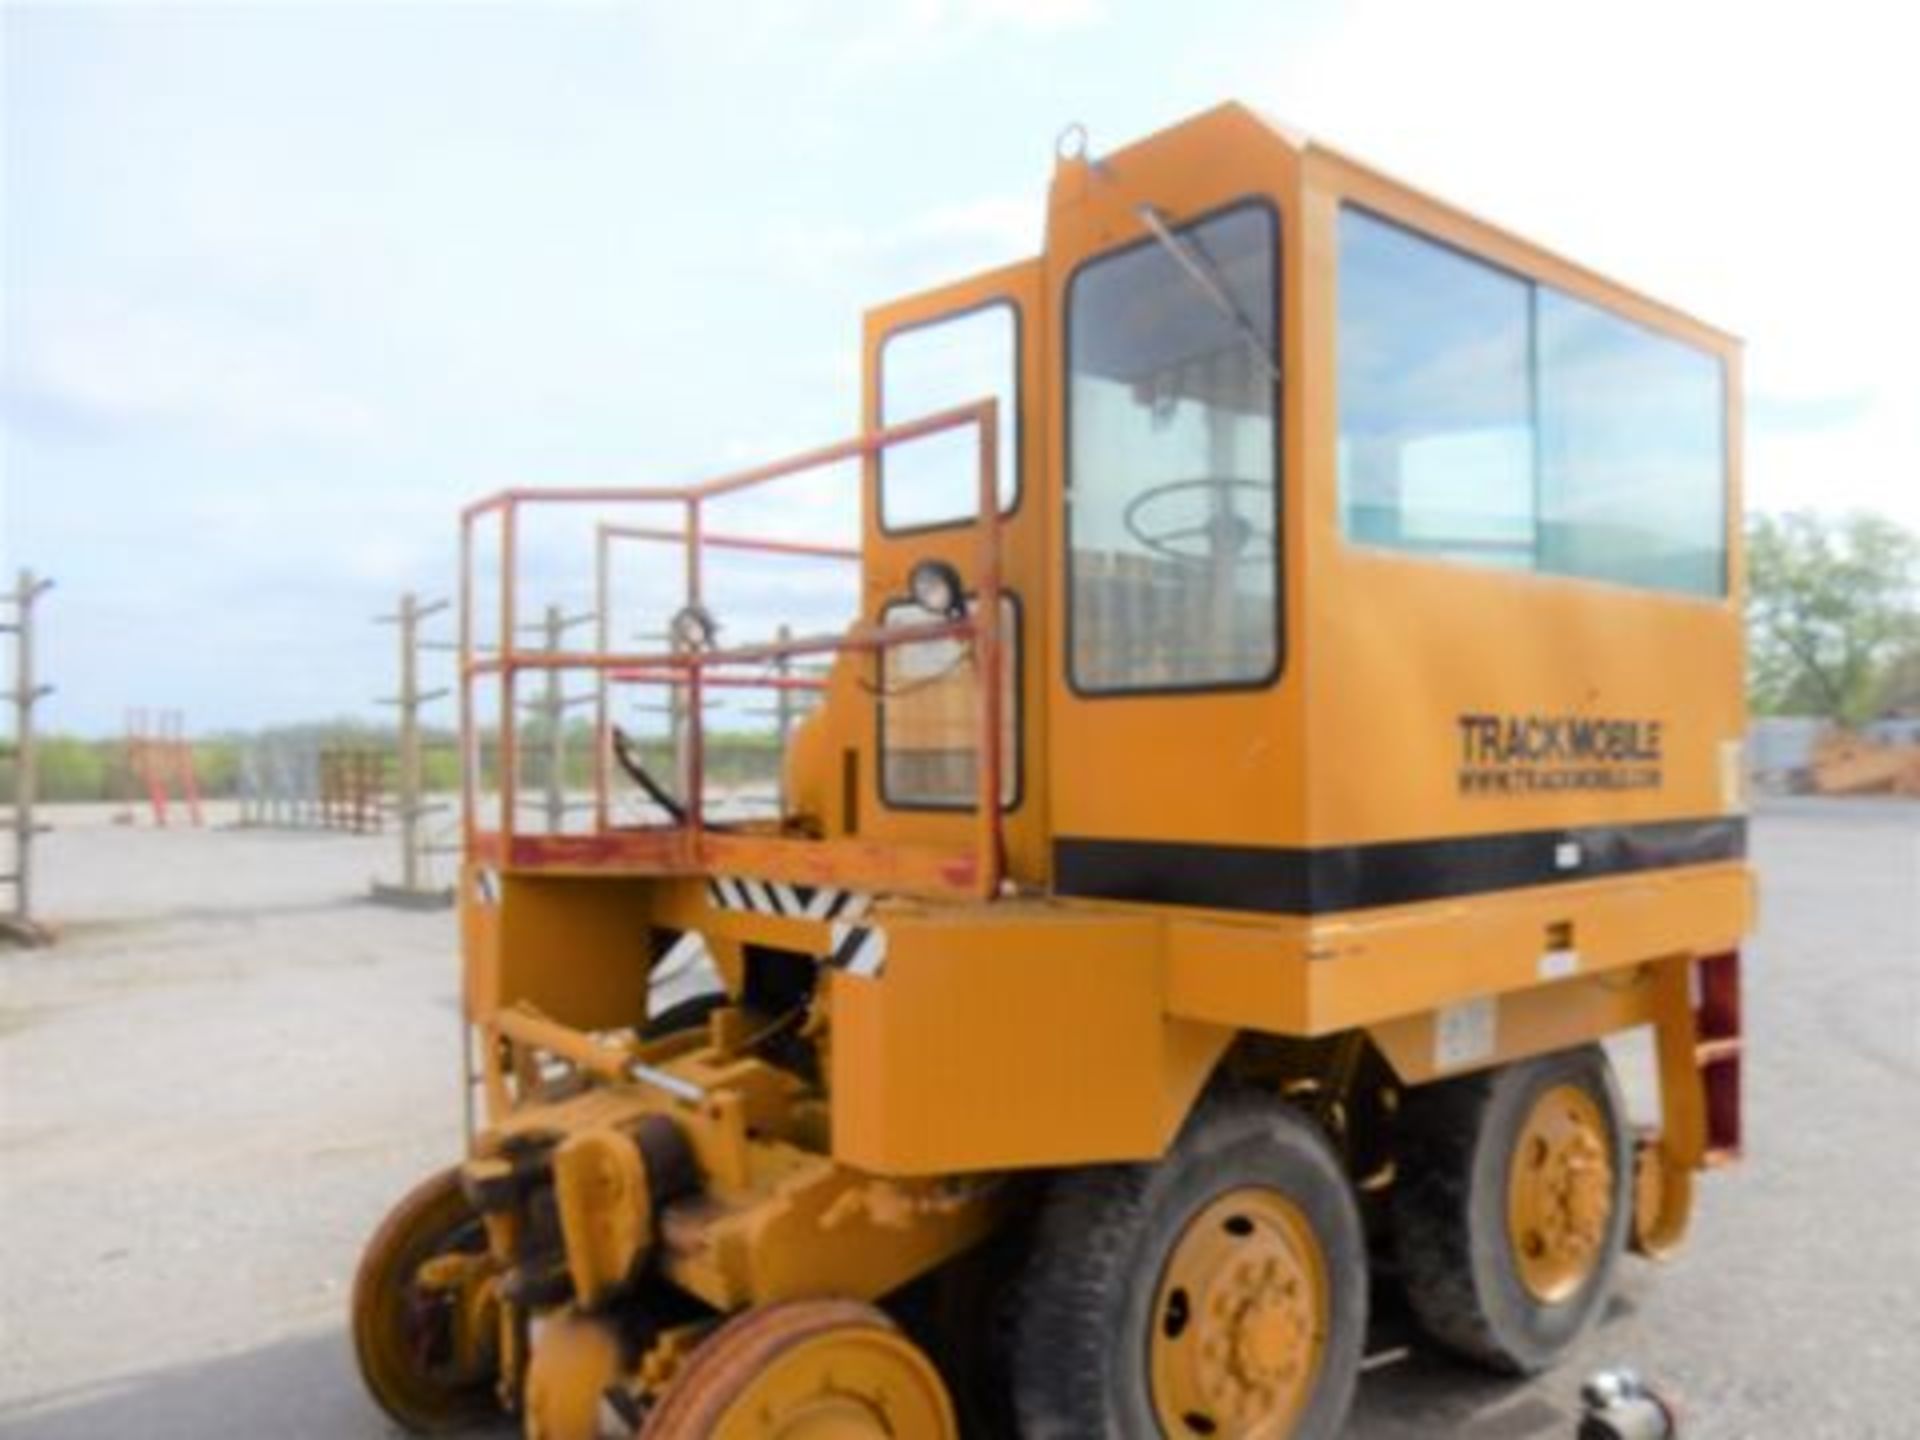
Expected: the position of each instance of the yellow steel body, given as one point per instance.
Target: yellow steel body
(1035, 1029)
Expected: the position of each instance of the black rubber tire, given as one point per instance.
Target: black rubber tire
(1101, 1242)
(1455, 1153)
(962, 1316)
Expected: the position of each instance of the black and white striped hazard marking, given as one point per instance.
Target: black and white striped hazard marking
(856, 948)
(688, 950)
(859, 950)
(796, 902)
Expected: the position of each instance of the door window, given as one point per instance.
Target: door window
(942, 365)
(930, 715)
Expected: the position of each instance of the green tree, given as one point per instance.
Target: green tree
(1900, 685)
(67, 768)
(1830, 607)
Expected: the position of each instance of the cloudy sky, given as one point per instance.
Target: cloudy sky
(282, 285)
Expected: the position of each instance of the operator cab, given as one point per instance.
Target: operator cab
(1302, 463)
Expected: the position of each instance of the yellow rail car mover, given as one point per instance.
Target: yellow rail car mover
(1293, 717)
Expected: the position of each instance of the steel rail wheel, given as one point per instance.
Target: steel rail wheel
(806, 1370)
(426, 1342)
(1243, 1312)
(1511, 1206)
(1559, 1193)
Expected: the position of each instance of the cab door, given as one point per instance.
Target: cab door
(925, 354)
(1170, 735)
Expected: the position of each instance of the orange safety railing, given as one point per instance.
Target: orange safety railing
(694, 847)
(605, 534)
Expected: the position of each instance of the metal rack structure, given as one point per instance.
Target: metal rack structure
(17, 922)
(411, 807)
(159, 761)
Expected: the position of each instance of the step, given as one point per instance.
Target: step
(1716, 1051)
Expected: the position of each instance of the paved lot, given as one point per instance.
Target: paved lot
(214, 1086)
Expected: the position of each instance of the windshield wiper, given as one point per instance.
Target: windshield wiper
(1199, 269)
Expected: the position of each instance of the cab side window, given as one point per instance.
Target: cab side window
(1489, 419)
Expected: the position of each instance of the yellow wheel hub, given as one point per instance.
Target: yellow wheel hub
(1560, 1193)
(1240, 1320)
(806, 1370)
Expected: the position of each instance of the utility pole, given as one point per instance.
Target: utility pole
(551, 708)
(556, 715)
(410, 804)
(783, 718)
(18, 923)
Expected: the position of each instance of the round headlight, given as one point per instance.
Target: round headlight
(693, 629)
(935, 586)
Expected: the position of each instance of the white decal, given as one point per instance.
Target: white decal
(1463, 1034)
(1558, 964)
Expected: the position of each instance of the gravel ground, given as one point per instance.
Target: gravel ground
(213, 1087)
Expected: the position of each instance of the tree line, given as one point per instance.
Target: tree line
(1833, 617)
(79, 768)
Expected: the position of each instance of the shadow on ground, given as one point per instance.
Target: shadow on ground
(306, 1389)
(298, 1389)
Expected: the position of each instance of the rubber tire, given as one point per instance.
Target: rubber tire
(1080, 1353)
(1449, 1212)
(962, 1314)
(430, 1215)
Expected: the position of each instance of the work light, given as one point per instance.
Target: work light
(693, 628)
(935, 586)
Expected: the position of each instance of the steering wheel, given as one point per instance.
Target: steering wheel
(1223, 535)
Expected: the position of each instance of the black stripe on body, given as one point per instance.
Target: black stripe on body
(1285, 880)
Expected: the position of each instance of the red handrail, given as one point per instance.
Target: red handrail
(691, 668)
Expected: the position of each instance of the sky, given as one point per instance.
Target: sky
(282, 286)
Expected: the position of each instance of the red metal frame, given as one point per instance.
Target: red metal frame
(605, 534)
(721, 682)
(159, 754)
(694, 847)
(1719, 1046)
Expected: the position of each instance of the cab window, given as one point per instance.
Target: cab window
(1172, 464)
(930, 715)
(942, 365)
(1489, 419)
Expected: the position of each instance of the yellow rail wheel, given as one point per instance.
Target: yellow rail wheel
(425, 1322)
(1221, 1292)
(806, 1370)
(1512, 1206)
